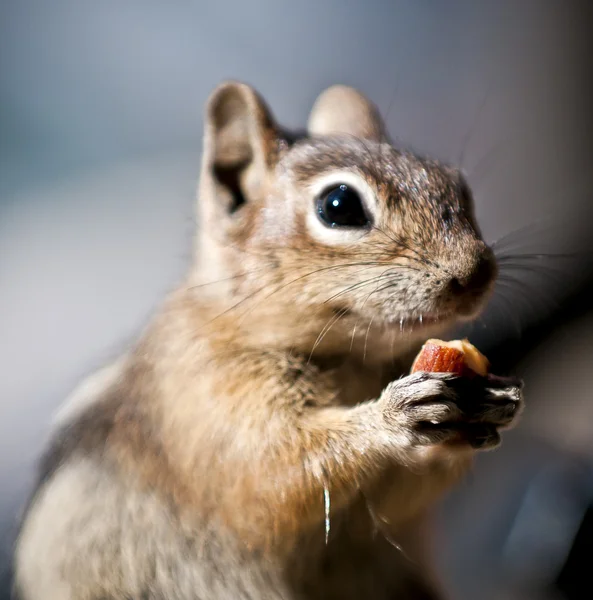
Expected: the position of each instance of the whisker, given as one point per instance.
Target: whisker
(507, 308)
(392, 344)
(511, 280)
(531, 237)
(520, 231)
(476, 173)
(354, 333)
(533, 301)
(284, 285)
(542, 271)
(354, 286)
(331, 322)
(422, 258)
(378, 523)
(473, 125)
(390, 105)
(537, 256)
(225, 279)
(386, 287)
(366, 339)
(356, 324)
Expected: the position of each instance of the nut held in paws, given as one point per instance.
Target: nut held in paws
(458, 356)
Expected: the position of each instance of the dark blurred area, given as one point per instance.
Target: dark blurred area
(100, 134)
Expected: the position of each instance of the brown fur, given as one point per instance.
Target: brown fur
(256, 411)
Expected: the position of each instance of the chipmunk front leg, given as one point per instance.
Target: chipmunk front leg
(338, 451)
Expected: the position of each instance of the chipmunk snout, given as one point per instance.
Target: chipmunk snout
(469, 281)
(477, 278)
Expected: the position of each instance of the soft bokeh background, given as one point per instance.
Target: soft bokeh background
(100, 127)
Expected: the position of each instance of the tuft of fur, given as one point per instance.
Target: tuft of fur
(261, 441)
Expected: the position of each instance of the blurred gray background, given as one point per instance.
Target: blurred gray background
(100, 133)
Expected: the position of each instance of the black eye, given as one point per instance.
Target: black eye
(341, 206)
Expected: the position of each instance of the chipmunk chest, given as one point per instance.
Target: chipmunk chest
(356, 383)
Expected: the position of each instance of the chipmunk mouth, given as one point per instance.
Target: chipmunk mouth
(407, 322)
(419, 321)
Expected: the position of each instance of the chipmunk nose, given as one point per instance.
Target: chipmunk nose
(476, 278)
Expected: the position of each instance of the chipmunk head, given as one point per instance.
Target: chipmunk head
(333, 226)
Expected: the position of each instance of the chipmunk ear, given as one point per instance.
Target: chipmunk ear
(240, 145)
(343, 110)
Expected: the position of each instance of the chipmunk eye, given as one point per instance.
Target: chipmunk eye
(341, 206)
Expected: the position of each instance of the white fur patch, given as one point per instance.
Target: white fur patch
(89, 391)
(90, 534)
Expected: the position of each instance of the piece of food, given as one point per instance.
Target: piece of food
(458, 356)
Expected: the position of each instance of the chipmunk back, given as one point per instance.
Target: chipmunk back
(263, 439)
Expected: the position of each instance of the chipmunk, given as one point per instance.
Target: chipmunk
(263, 439)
